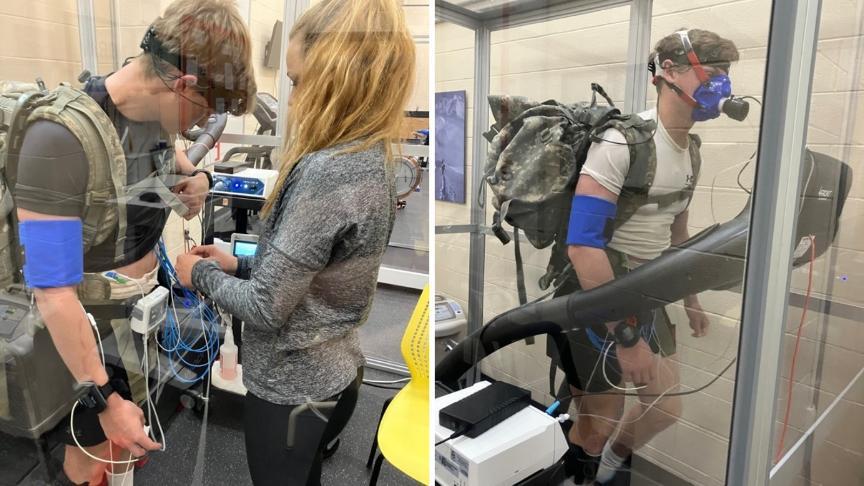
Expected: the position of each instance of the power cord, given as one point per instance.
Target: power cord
(75, 405)
(454, 435)
(645, 395)
(786, 414)
(383, 387)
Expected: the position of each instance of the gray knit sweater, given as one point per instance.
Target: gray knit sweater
(310, 285)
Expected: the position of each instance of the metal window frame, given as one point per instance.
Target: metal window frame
(291, 11)
(115, 35)
(477, 246)
(638, 48)
(87, 35)
(788, 80)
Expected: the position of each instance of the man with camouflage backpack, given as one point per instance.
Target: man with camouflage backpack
(76, 163)
(690, 70)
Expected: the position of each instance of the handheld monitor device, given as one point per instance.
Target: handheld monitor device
(244, 245)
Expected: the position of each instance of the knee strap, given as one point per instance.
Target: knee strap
(592, 221)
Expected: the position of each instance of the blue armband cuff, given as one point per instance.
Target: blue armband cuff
(53, 252)
(591, 221)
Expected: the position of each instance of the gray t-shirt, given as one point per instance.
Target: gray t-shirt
(53, 172)
(310, 285)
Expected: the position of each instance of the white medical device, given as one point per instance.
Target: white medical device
(449, 317)
(150, 311)
(243, 244)
(524, 444)
(256, 183)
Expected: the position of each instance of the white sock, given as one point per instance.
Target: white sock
(610, 462)
(124, 478)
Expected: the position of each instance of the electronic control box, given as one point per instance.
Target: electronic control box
(255, 183)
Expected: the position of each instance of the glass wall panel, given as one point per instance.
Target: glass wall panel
(409, 246)
(820, 395)
(555, 59)
(678, 427)
(695, 447)
(454, 75)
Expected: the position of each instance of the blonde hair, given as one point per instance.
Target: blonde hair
(213, 34)
(357, 76)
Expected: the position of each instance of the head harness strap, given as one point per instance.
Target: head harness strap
(692, 57)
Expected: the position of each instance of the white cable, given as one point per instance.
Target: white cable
(150, 405)
(596, 363)
(209, 355)
(591, 376)
(129, 467)
(606, 377)
(75, 405)
(807, 184)
(387, 382)
(640, 417)
(714, 184)
(98, 334)
(82, 449)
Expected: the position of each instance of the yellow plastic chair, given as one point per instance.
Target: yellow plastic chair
(403, 429)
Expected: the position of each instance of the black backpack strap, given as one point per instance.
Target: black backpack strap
(638, 134)
(497, 229)
(520, 270)
(520, 276)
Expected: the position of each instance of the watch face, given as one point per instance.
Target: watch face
(87, 401)
(94, 399)
(626, 335)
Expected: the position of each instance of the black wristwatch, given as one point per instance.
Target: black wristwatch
(97, 396)
(626, 333)
(205, 172)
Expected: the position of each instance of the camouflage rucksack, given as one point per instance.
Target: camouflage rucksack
(104, 214)
(536, 152)
(28, 359)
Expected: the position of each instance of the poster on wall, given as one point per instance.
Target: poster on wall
(450, 146)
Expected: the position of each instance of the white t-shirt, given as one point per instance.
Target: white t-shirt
(648, 232)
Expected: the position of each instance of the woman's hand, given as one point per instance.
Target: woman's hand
(228, 263)
(184, 266)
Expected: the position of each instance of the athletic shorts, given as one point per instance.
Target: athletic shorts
(588, 346)
(88, 430)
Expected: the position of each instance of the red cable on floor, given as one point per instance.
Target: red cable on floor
(779, 453)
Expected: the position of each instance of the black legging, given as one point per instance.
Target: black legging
(272, 461)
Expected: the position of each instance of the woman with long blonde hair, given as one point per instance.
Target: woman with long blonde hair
(310, 285)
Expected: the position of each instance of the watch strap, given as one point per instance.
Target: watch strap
(97, 396)
(107, 389)
(626, 334)
(206, 173)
